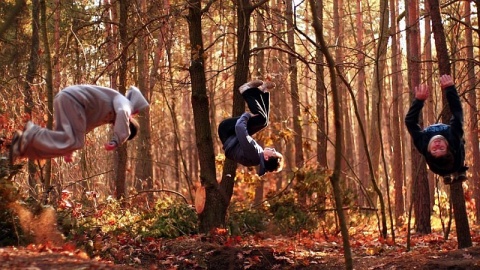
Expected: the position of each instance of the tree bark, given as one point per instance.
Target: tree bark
(144, 161)
(420, 187)
(321, 94)
(214, 212)
(29, 81)
(121, 152)
(397, 153)
(294, 93)
(472, 112)
(456, 189)
(336, 176)
(47, 180)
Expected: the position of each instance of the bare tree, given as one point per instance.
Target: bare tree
(397, 84)
(472, 115)
(456, 189)
(420, 187)
(47, 181)
(121, 152)
(144, 161)
(216, 204)
(336, 176)
(29, 81)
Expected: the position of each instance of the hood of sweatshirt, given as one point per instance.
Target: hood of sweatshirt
(137, 99)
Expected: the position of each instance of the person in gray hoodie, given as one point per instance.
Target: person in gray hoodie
(78, 109)
(236, 132)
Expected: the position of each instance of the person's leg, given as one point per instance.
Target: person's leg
(258, 103)
(227, 128)
(68, 135)
(461, 175)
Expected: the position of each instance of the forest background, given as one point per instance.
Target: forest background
(344, 73)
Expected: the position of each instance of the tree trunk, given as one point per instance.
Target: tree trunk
(456, 189)
(121, 152)
(472, 112)
(260, 69)
(321, 94)
(294, 92)
(214, 212)
(47, 181)
(397, 153)
(335, 177)
(362, 107)
(29, 81)
(420, 192)
(144, 160)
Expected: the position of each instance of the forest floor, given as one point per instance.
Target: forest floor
(255, 252)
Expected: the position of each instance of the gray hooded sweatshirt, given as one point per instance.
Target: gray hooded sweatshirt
(78, 109)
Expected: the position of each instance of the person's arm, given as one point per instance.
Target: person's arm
(245, 140)
(413, 114)
(456, 122)
(121, 129)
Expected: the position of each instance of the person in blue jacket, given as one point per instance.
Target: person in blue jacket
(442, 145)
(236, 132)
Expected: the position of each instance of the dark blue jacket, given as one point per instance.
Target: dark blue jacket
(453, 132)
(243, 148)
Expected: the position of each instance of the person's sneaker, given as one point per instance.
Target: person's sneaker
(19, 140)
(267, 86)
(447, 180)
(15, 146)
(249, 85)
(462, 177)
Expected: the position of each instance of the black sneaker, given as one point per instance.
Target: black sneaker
(460, 178)
(447, 180)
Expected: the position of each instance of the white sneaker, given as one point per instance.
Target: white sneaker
(249, 85)
(266, 86)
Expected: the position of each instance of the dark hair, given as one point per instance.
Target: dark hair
(445, 162)
(274, 163)
(134, 127)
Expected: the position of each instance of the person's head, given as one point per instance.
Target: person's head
(134, 127)
(439, 154)
(273, 160)
(438, 146)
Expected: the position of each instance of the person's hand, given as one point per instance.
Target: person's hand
(446, 81)
(68, 158)
(421, 92)
(110, 146)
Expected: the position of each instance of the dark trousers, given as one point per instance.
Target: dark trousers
(258, 103)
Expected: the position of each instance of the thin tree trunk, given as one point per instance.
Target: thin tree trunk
(336, 176)
(144, 164)
(362, 107)
(321, 94)
(260, 69)
(29, 81)
(456, 189)
(121, 152)
(397, 167)
(472, 112)
(420, 192)
(295, 96)
(49, 85)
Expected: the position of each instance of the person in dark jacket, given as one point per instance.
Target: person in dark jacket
(442, 145)
(236, 132)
